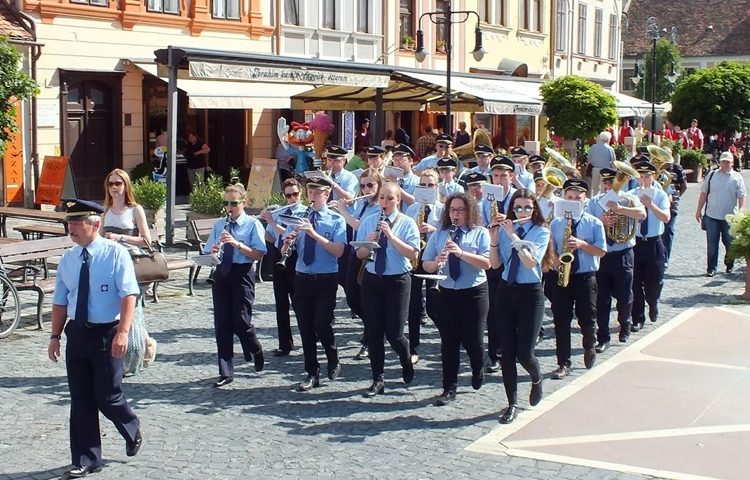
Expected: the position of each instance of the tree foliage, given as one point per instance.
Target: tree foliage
(15, 85)
(719, 97)
(667, 55)
(578, 108)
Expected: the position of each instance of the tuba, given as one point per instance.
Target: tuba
(466, 152)
(567, 257)
(557, 160)
(623, 229)
(661, 157)
(554, 177)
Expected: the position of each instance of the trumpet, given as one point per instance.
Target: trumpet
(567, 257)
(378, 234)
(441, 265)
(293, 246)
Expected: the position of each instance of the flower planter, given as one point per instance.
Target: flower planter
(155, 218)
(695, 174)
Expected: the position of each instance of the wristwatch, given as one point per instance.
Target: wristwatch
(55, 337)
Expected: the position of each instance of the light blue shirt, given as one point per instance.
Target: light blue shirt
(505, 202)
(536, 234)
(363, 208)
(332, 226)
(346, 180)
(403, 227)
(526, 179)
(476, 241)
(430, 161)
(246, 230)
(409, 182)
(655, 226)
(596, 210)
(111, 278)
(298, 210)
(589, 229)
(447, 189)
(487, 172)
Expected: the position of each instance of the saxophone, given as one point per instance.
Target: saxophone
(566, 258)
(422, 237)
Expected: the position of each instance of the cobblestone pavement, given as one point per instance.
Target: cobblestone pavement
(260, 427)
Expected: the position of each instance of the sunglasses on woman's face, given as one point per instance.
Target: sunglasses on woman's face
(368, 185)
(116, 183)
(429, 185)
(290, 195)
(527, 209)
(230, 203)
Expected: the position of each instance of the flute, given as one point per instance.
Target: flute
(335, 202)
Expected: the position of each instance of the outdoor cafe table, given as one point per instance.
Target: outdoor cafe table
(27, 213)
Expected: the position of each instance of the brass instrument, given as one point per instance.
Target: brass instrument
(554, 177)
(293, 246)
(421, 218)
(451, 235)
(466, 152)
(557, 160)
(661, 157)
(566, 258)
(624, 228)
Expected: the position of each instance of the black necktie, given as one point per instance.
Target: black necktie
(82, 302)
(427, 211)
(454, 263)
(515, 260)
(309, 255)
(362, 212)
(644, 226)
(227, 253)
(576, 261)
(380, 255)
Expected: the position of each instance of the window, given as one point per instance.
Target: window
(536, 15)
(523, 16)
(442, 33)
(406, 18)
(99, 3)
(582, 28)
(228, 9)
(612, 37)
(560, 24)
(492, 12)
(485, 15)
(163, 6)
(500, 12)
(329, 14)
(598, 19)
(291, 12)
(363, 20)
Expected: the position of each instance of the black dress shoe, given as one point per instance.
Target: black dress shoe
(222, 381)
(624, 333)
(710, 273)
(407, 371)
(730, 268)
(589, 357)
(132, 448)
(508, 415)
(477, 378)
(448, 396)
(281, 352)
(259, 361)
(80, 471)
(334, 371)
(313, 381)
(493, 367)
(602, 347)
(362, 354)
(561, 372)
(636, 327)
(377, 388)
(537, 392)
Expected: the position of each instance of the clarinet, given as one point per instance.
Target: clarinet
(293, 247)
(441, 265)
(227, 226)
(378, 234)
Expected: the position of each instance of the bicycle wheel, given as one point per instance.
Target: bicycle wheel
(10, 309)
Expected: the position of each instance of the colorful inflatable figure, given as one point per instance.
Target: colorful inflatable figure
(297, 141)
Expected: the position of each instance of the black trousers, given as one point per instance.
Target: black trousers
(233, 296)
(283, 294)
(95, 383)
(353, 291)
(579, 295)
(648, 277)
(494, 349)
(519, 313)
(417, 307)
(614, 280)
(385, 299)
(315, 300)
(461, 321)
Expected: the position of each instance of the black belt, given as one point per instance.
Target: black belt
(316, 276)
(397, 275)
(96, 325)
(620, 252)
(646, 239)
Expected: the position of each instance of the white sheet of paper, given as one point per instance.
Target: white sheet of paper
(315, 174)
(563, 206)
(610, 196)
(291, 220)
(425, 195)
(396, 172)
(493, 193)
(649, 192)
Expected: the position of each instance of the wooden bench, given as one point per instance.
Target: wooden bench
(37, 231)
(201, 229)
(25, 251)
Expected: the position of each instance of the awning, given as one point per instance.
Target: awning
(628, 106)
(226, 94)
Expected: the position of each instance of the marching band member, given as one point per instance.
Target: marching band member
(446, 167)
(241, 243)
(387, 282)
(615, 275)
(483, 155)
(402, 158)
(376, 158)
(474, 182)
(443, 144)
(583, 238)
(428, 217)
(649, 254)
(536, 164)
(523, 178)
(344, 182)
(461, 249)
(319, 243)
(678, 187)
(283, 275)
(545, 195)
(520, 300)
(369, 184)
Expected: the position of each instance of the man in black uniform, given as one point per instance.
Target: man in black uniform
(96, 289)
(677, 188)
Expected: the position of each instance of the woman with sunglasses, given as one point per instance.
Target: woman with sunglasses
(428, 215)
(369, 184)
(519, 304)
(460, 251)
(238, 241)
(386, 283)
(283, 276)
(124, 221)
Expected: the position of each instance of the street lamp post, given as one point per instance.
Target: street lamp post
(652, 28)
(446, 18)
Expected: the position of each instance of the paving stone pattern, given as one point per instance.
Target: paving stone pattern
(260, 427)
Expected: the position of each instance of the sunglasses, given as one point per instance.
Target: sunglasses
(457, 210)
(233, 203)
(527, 209)
(368, 185)
(290, 195)
(115, 184)
(430, 185)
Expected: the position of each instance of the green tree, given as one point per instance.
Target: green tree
(719, 97)
(578, 108)
(667, 54)
(15, 85)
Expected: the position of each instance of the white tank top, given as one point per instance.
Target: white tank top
(122, 221)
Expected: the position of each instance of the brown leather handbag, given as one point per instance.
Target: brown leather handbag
(150, 266)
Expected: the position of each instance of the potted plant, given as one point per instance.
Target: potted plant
(440, 46)
(696, 161)
(739, 229)
(151, 195)
(205, 201)
(407, 42)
